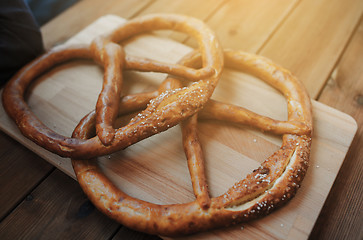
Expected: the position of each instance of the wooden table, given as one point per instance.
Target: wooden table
(319, 41)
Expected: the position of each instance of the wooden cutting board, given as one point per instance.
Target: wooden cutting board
(155, 169)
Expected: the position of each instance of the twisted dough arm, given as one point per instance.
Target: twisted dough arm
(195, 159)
(227, 112)
(143, 64)
(111, 56)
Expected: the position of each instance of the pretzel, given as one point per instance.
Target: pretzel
(262, 191)
(105, 51)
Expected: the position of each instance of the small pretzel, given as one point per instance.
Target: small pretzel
(105, 51)
(265, 189)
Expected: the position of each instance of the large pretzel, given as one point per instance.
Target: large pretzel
(265, 189)
(105, 51)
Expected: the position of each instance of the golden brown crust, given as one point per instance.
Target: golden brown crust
(265, 189)
(111, 56)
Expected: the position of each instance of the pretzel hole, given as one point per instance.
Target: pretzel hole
(135, 172)
(162, 37)
(152, 44)
(50, 94)
(135, 81)
(240, 152)
(241, 88)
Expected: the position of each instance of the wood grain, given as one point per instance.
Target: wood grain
(57, 209)
(85, 12)
(19, 175)
(126, 233)
(247, 24)
(344, 91)
(186, 7)
(314, 54)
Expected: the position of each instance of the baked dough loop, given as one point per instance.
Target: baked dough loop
(168, 108)
(265, 189)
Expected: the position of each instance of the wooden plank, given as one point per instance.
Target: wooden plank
(341, 217)
(19, 175)
(312, 39)
(155, 169)
(246, 25)
(76, 20)
(126, 233)
(186, 7)
(57, 209)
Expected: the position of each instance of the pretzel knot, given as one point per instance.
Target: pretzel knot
(265, 189)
